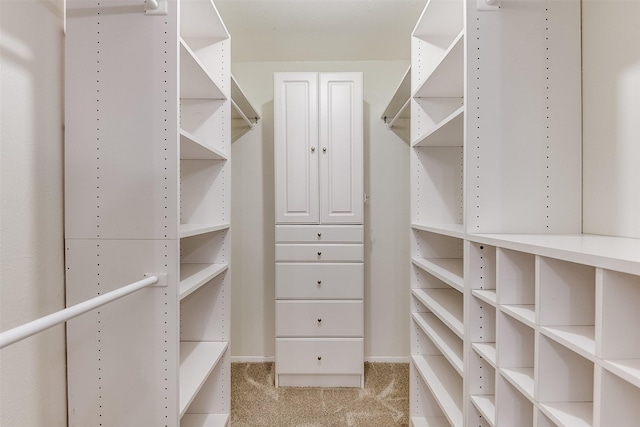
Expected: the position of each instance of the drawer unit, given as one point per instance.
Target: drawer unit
(319, 318)
(319, 356)
(319, 280)
(319, 233)
(320, 252)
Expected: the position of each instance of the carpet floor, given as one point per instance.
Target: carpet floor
(384, 401)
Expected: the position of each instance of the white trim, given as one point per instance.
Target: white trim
(252, 359)
(387, 359)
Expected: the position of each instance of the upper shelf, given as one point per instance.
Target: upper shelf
(195, 81)
(398, 107)
(200, 19)
(440, 18)
(446, 80)
(242, 108)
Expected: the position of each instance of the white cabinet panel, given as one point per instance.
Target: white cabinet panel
(319, 356)
(319, 233)
(352, 253)
(319, 281)
(319, 318)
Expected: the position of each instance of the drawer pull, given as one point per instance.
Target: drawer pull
(319, 320)
(319, 282)
(319, 357)
(319, 235)
(319, 253)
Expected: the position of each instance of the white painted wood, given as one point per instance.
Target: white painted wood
(627, 369)
(296, 147)
(618, 403)
(577, 338)
(481, 321)
(444, 303)
(320, 380)
(574, 414)
(203, 184)
(487, 407)
(512, 407)
(521, 379)
(191, 148)
(449, 344)
(429, 422)
(398, 102)
(488, 296)
(446, 133)
(204, 420)
(242, 104)
(320, 252)
(514, 343)
(445, 384)
(197, 361)
(487, 351)
(541, 420)
(341, 148)
(206, 122)
(452, 230)
(481, 377)
(319, 318)
(319, 356)
(319, 233)
(195, 80)
(515, 281)
(189, 230)
(203, 312)
(319, 281)
(524, 313)
(195, 275)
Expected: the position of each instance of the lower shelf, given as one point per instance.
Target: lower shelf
(429, 422)
(197, 361)
(204, 420)
(487, 407)
(575, 414)
(520, 378)
(445, 384)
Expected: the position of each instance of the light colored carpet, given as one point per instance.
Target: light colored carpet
(384, 401)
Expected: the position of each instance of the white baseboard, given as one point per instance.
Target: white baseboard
(387, 359)
(252, 359)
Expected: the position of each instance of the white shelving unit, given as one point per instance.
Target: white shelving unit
(499, 267)
(397, 115)
(147, 192)
(244, 116)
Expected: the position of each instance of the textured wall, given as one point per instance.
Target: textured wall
(33, 372)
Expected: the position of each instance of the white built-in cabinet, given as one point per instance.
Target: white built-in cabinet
(147, 187)
(318, 134)
(517, 319)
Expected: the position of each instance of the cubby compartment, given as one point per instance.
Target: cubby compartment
(541, 420)
(617, 337)
(566, 303)
(201, 313)
(516, 353)
(201, 121)
(572, 402)
(619, 401)
(515, 284)
(445, 303)
(424, 410)
(439, 255)
(439, 122)
(482, 329)
(512, 407)
(203, 187)
(482, 271)
(482, 379)
(476, 418)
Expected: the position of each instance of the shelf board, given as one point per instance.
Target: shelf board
(188, 230)
(195, 80)
(440, 17)
(197, 361)
(580, 339)
(449, 270)
(447, 78)
(450, 346)
(486, 295)
(193, 148)
(520, 378)
(627, 369)
(444, 303)
(447, 133)
(204, 420)
(445, 385)
(525, 313)
(487, 407)
(486, 350)
(193, 276)
(574, 414)
(452, 230)
(400, 98)
(241, 105)
(429, 422)
(199, 18)
(613, 253)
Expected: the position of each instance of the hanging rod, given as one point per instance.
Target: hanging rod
(36, 326)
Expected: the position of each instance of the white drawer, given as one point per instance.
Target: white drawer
(319, 280)
(316, 252)
(319, 233)
(319, 356)
(319, 319)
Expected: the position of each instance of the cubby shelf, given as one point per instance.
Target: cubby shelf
(578, 414)
(447, 133)
(197, 361)
(577, 338)
(444, 303)
(446, 80)
(449, 270)
(488, 295)
(444, 383)
(191, 148)
(195, 80)
(520, 378)
(486, 350)
(399, 103)
(429, 422)
(204, 420)
(449, 344)
(194, 275)
(188, 230)
(627, 369)
(486, 405)
(452, 230)
(525, 313)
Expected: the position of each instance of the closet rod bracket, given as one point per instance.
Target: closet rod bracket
(156, 7)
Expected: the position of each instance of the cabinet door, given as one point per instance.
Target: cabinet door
(296, 147)
(341, 192)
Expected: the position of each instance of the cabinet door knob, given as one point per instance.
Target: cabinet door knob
(319, 253)
(319, 357)
(313, 149)
(319, 235)
(324, 149)
(319, 320)
(319, 282)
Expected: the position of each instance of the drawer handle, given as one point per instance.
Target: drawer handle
(313, 149)
(319, 282)
(319, 235)
(319, 320)
(324, 149)
(319, 357)
(319, 253)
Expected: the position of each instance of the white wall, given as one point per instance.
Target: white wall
(386, 173)
(611, 117)
(33, 372)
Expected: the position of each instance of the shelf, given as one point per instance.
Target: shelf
(399, 101)
(520, 378)
(188, 230)
(575, 414)
(449, 270)
(444, 303)
(627, 369)
(486, 350)
(445, 385)
(204, 420)
(242, 108)
(429, 422)
(452, 230)
(200, 19)
(619, 400)
(195, 81)
(447, 133)
(193, 276)
(488, 296)
(486, 405)
(191, 148)
(448, 343)
(525, 313)
(197, 361)
(614, 253)
(447, 78)
(440, 18)
(577, 338)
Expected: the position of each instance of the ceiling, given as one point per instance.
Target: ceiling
(320, 30)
